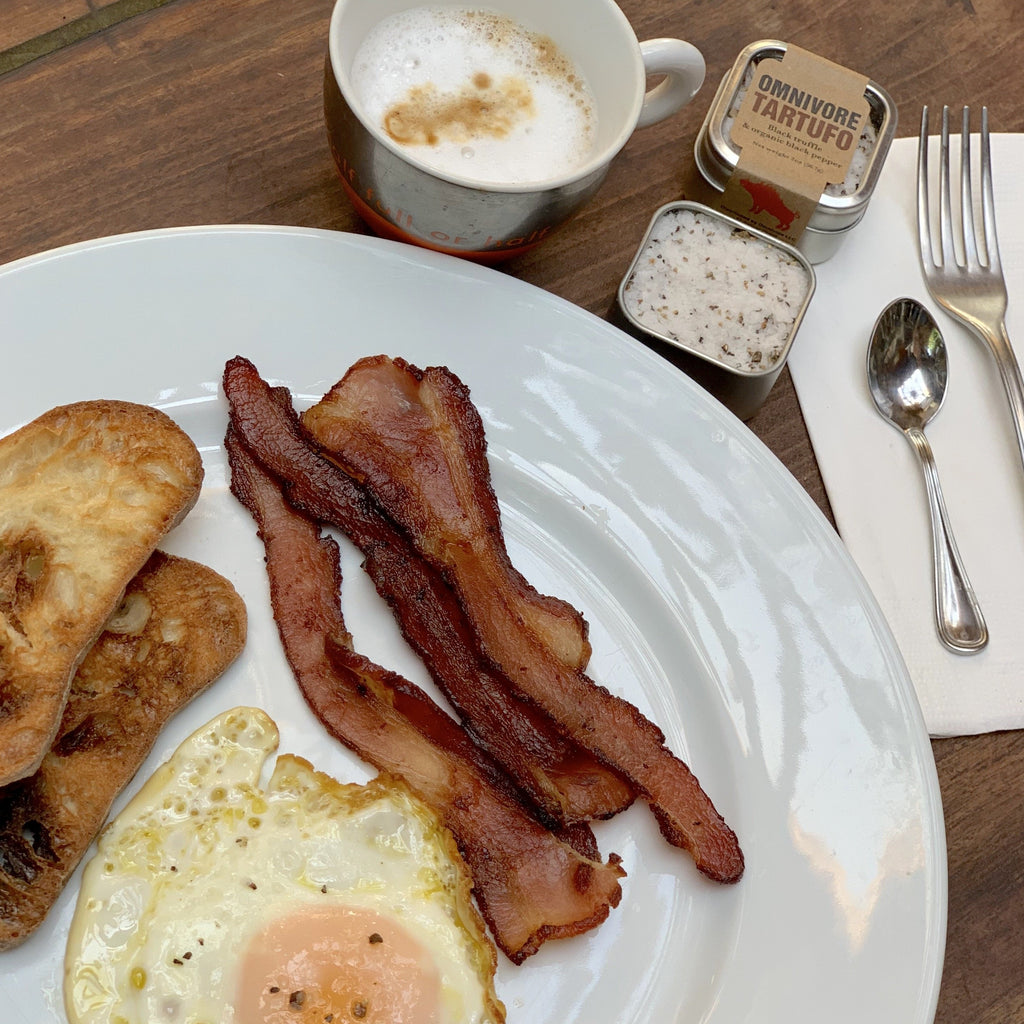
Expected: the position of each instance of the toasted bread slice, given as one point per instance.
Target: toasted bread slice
(179, 626)
(86, 493)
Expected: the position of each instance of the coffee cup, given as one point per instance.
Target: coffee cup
(476, 131)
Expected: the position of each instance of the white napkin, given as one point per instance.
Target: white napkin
(872, 476)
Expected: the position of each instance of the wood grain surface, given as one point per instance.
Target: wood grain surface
(209, 111)
(25, 20)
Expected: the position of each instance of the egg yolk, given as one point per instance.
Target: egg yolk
(345, 965)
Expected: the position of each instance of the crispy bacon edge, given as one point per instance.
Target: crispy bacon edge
(415, 441)
(566, 784)
(530, 886)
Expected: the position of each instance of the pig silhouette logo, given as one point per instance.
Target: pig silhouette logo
(766, 198)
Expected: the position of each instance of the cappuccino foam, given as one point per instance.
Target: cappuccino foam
(474, 94)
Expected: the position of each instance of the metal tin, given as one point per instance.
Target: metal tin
(742, 390)
(835, 215)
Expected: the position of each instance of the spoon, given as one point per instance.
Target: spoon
(907, 374)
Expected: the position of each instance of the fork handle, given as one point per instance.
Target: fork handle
(998, 340)
(958, 616)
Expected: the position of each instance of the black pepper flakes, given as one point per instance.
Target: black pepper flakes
(359, 1010)
(709, 286)
(296, 999)
(375, 938)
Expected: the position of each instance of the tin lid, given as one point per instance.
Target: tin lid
(841, 204)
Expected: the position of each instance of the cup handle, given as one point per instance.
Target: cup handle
(683, 67)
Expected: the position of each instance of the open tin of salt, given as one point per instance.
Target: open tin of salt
(842, 204)
(726, 298)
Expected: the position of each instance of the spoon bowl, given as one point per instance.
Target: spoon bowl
(907, 365)
(907, 373)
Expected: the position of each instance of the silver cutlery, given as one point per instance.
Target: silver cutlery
(966, 277)
(907, 374)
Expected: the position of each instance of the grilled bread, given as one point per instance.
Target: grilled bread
(86, 493)
(179, 626)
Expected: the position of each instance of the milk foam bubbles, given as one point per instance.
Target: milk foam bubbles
(474, 94)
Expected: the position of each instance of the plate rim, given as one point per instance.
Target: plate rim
(768, 461)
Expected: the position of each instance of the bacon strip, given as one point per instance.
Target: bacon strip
(555, 623)
(567, 784)
(414, 439)
(530, 886)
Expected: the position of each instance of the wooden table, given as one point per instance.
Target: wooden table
(148, 113)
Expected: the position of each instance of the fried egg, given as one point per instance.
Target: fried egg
(214, 899)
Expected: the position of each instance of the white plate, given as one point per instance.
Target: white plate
(720, 602)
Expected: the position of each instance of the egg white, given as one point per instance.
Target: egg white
(203, 858)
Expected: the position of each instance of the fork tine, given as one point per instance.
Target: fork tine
(945, 205)
(972, 292)
(966, 193)
(988, 204)
(924, 230)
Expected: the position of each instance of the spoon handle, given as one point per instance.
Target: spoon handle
(958, 615)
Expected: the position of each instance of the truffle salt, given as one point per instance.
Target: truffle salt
(858, 162)
(717, 289)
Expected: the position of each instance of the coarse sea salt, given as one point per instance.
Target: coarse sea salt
(717, 290)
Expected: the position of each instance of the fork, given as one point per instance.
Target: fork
(966, 277)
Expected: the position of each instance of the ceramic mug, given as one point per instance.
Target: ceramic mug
(401, 196)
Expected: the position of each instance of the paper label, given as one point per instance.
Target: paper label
(797, 129)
